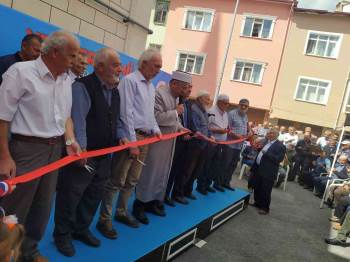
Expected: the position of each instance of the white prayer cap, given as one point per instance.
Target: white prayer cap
(223, 97)
(182, 76)
(345, 142)
(202, 93)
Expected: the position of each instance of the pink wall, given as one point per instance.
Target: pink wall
(214, 44)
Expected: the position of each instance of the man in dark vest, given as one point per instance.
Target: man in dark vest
(95, 113)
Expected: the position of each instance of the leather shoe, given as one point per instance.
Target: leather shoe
(229, 187)
(169, 201)
(211, 190)
(65, 246)
(140, 216)
(181, 200)
(127, 220)
(156, 211)
(219, 188)
(336, 242)
(106, 229)
(191, 196)
(87, 238)
(202, 191)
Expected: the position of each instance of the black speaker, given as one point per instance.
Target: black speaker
(347, 120)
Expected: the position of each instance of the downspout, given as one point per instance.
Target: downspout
(282, 53)
(126, 19)
(343, 101)
(218, 87)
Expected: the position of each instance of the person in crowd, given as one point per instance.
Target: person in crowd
(341, 198)
(282, 133)
(340, 172)
(35, 103)
(330, 149)
(80, 184)
(79, 66)
(262, 130)
(11, 238)
(176, 183)
(340, 239)
(345, 148)
(218, 125)
(324, 140)
(321, 165)
(264, 170)
(137, 96)
(238, 125)
(282, 171)
(251, 125)
(250, 152)
(302, 157)
(199, 144)
(290, 138)
(30, 50)
(151, 189)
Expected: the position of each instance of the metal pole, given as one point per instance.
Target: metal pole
(344, 100)
(333, 164)
(228, 44)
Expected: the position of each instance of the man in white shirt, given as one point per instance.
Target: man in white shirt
(290, 138)
(35, 103)
(323, 140)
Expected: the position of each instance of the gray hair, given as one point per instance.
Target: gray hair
(103, 54)
(223, 97)
(344, 157)
(274, 130)
(58, 39)
(147, 55)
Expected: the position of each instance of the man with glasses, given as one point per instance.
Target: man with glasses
(238, 125)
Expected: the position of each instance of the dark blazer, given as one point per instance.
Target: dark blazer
(270, 161)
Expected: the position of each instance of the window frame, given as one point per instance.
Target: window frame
(155, 46)
(338, 46)
(263, 68)
(198, 9)
(328, 90)
(258, 16)
(155, 11)
(179, 52)
(346, 108)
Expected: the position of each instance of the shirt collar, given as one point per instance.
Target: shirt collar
(219, 110)
(44, 70)
(141, 77)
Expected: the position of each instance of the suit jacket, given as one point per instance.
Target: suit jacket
(270, 161)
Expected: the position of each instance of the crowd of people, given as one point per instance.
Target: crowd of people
(50, 108)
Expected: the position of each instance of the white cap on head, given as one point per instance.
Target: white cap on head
(202, 93)
(182, 76)
(345, 142)
(223, 97)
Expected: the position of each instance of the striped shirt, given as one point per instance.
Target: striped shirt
(238, 124)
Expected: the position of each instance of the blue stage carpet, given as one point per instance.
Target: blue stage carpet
(135, 243)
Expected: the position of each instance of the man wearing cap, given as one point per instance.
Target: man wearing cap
(238, 125)
(218, 125)
(150, 191)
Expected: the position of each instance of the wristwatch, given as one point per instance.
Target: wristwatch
(69, 142)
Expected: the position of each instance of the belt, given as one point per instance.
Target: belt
(142, 133)
(39, 140)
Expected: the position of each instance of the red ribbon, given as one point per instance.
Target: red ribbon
(70, 159)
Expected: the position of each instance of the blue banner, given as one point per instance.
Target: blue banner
(15, 25)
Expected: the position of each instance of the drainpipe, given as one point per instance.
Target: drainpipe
(344, 100)
(218, 87)
(126, 19)
(282, 53)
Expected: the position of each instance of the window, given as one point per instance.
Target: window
(323, 44)
(190, 62)
(199, 19)
(161, 11)
(249, 72)
(258, 27)
(312, 90)
(156, 46)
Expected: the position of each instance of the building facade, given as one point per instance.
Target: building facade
(312, 84)
(120, 24)
(198, 32)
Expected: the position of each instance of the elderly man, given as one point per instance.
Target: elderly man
(218, 125)
(182, 152)
(36, 100)
(81, 184)
(238, 124)
(150, 190)
(137, 95)
(290, 138)
(264, 170)
(79, 66)
(30, 50)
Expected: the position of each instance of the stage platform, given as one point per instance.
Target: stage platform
(164, 238)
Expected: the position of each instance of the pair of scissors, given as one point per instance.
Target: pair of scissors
(90, 169)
